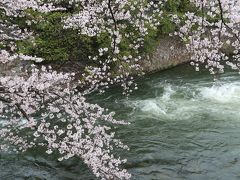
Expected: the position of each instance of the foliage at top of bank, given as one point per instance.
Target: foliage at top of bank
(54, 43)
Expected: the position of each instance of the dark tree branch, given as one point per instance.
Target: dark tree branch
(223, 20)
(18, 107)
(115, 24)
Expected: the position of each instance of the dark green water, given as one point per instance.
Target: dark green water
(184, 126)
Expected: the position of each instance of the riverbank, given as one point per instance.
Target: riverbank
(169, 52)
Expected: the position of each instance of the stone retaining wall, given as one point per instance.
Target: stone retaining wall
(169, 53)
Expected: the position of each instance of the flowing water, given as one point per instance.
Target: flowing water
(184, 125)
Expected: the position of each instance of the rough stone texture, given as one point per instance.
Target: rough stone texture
(13, 68)
(169, 53)
(5, 68)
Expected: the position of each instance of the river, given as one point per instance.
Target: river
(184, 125)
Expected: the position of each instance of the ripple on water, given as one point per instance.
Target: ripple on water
(183, 127)
(200, 138)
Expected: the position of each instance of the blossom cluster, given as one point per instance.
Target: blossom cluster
(42, 110)
(209, 30)
(122, 21)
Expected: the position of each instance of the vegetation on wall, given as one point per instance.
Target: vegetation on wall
(54, 43)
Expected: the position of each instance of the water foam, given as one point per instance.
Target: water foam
(190, 101)
(151, 106)
(223, 93)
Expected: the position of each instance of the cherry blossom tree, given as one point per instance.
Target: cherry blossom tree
(43, 107)
(120, 21)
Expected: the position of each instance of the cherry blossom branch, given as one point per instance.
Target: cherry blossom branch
(18, 107)
(115, 25)
(223, 20)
